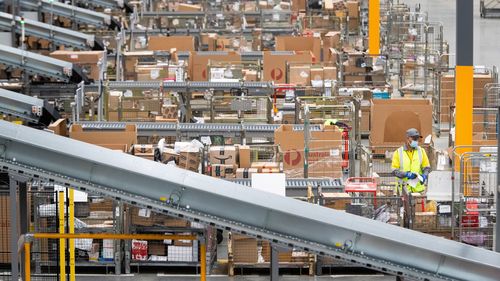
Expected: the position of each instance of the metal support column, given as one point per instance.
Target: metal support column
(14, 257)
(497, 224)
(464, 73)
(23, 216)
(275, 263)
(374, 27)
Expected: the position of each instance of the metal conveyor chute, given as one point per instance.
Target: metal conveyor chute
(30, 153)
(28, 108)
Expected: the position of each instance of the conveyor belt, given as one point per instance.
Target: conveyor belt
(80, 15)
(30, 153)
(28, 108)
(44, 66)
(298, 187)
(59, 35)
(193, 129)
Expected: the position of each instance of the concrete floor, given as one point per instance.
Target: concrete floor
(486, 31)
(146, 277)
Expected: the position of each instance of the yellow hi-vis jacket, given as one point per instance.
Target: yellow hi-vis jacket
(410, 161)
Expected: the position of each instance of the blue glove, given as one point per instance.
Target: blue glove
(411, 175)
(424, 178)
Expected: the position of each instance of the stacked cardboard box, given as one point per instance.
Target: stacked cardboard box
(299, 43)
(5, 229)
(108, 139)
(325, 147)
(245, 173)
(283, 256)
(275, 64)
(189, 160)
(168, 43)
(337, 200)
(447, 97)
(145, 151)
(244, 249)
(199, 61)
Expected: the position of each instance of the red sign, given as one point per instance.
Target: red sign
(276, 74)
(292, 157)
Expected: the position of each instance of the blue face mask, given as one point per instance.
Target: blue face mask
(414, 144)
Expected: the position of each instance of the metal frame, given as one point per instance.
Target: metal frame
(53, 33)
(35, 63)
(77, 14)
(489, 8)
(21, 106)
(378, 246)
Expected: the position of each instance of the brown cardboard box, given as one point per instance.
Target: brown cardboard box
(166, 43)
(332, 55)
(189, 160)
(419, 201)
(337, 200)
(365, 119)
(353, 24)
(265, 165)
(244, 156)
(299, 43)
(330, 73)
(317, 73)
(300, 75)
(170, 111)
(389, 120)
(222, 155)
(126, 137)
(59, 127)
(223, 170)
(275, 64)
(200, 60)
(244, 249)
(172, 222)
(79, 57)
(298, 5)
(425, 220)
(169, 155)
(324, 155)
(188, 8)
(245, 173)
(142, 217)
(352, 9)
(143, 148)
(331, 40)
(283, 256)
(250, 76)
(156, 248)
(270, 170)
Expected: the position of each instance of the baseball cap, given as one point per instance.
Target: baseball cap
(413, 133)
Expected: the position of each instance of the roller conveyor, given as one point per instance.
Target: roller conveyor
(28, 153)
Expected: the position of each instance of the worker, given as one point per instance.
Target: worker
(410, 162)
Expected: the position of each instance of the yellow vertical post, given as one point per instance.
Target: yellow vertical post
(464, 89)
(62, 241)
(27, 261)
(374, 27)
(203, 261)
(71, 219)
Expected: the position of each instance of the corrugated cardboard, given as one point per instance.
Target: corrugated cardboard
(87, 60)
(330, 73)
(169, 155)
(352, 9)
(283, 256)
(156, 248)
(337, 200)
(299, 43)
(245, 173)
(275, 64)
(299, 75)
(244, 249)
(189, 160)
(265, 165)
(200, 60)
(223, 170)
(126, 137)
(188, 8)
(244, 156)
(391, 118)
(331, 40)
(222, 155)
(324, 155)
(166, 43)
(59, 127)
(142, 148)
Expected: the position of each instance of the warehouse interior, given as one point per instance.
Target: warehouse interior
(249, 140)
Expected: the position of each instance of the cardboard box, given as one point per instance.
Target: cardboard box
(78, 57)
(167, 43)
(299, 75)
(330, 73)
(317, 73)
(59, 127)
(299, 5)
(169, 111)
(265, 165)
(143, 148)
(244, 249)
(245, 173)
(244, 156)
(126, 137)
(156, 248)
(419, 202)
(325, 146)
(189, 160)
(223, 170)
(331, 40)
(332, 55)
(275, 64)
(182, 7)
(169, 155)
(337, 200)
(270, 170)
(390, 119)
(172, 222)
(352, 9)
(425, 220)
(199, 62)
(222, 155)
(142, 217)
(299, 43)
(283, 256)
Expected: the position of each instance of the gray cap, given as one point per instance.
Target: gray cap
(413, 133)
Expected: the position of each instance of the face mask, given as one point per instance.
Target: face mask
(414, 144)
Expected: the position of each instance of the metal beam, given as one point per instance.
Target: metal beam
(59, 35)
(34, 63)
(80, 15)
(284, 221)
(189, 31)
(28, 108)
(194, 129)
(112, 4)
